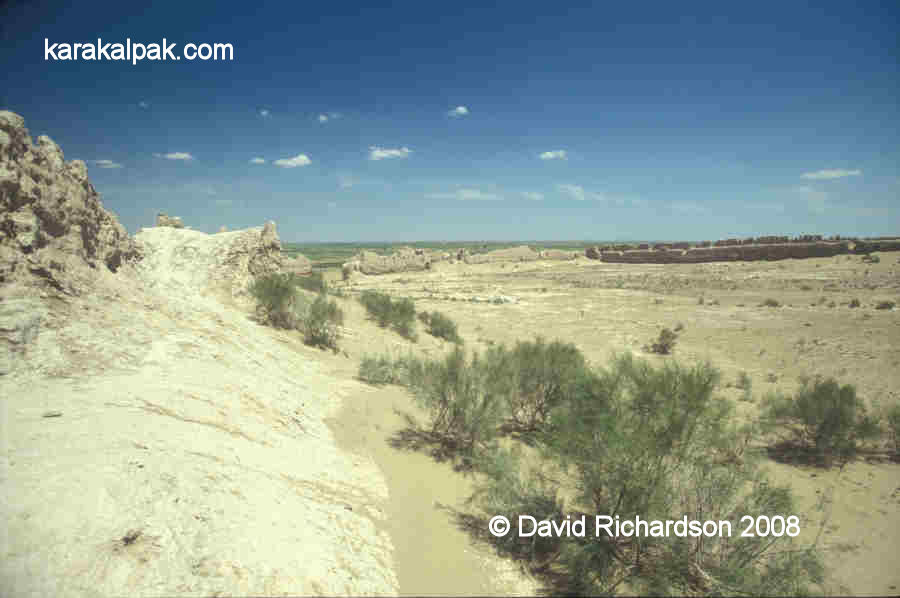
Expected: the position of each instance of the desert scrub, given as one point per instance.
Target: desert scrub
(464, 417)
(321, 323)
(440, 326)
(399, 314)
(314, 282)
(380, 370)
(633, 441)
(277, 300)
(770, 303)
(665, 344)
(885, 305)
(854, 303)
(823, 419)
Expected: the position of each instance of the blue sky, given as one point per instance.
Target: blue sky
(500, 121)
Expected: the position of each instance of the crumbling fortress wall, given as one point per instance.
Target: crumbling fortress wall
(767, 248)
(731, 250)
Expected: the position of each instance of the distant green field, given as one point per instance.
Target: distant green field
(333, 255)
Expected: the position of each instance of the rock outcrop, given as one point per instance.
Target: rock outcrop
(162, 219)
(53, 229)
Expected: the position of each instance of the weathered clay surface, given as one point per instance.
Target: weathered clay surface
(156, 440)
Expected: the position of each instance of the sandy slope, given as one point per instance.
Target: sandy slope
(157, 441)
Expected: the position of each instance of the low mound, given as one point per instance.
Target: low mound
(522, 253)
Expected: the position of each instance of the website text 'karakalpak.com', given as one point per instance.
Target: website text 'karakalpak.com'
(135, 52)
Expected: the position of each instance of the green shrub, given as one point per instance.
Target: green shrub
(463, 415)
(770, 303)
(276, 297)
(314, 282)
(441, 326)
(743, 381)
(321, 323)
(871, 259)
(399, 314)
(885, 305)
(379, 370)
(665, 344)
(823, 417)
(654, 443)
(538, 376)
(854, 303)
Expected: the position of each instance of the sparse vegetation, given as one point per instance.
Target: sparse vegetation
(399, 314)
(824, 419)
(281, 303)
(380, 370)
(321, 322)
(440, 326)
(854, 303)
(871, 259)
(770, 303)
(885, 305)
(277, 299)
(651, 443)
(665, 343)
(315, 282)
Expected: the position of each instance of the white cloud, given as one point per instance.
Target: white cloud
(466, 195)
(576, 192)
(830, 174)
(257, 161)
(379, 153)
(144, 104)
(458, 111)
(326, 116)
(298, 160)
(532, 195)
(554, 155)
(264, 112)
(185, 156)
(106, 164)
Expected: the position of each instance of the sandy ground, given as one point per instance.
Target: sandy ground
(162, 442)
(609, 308)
